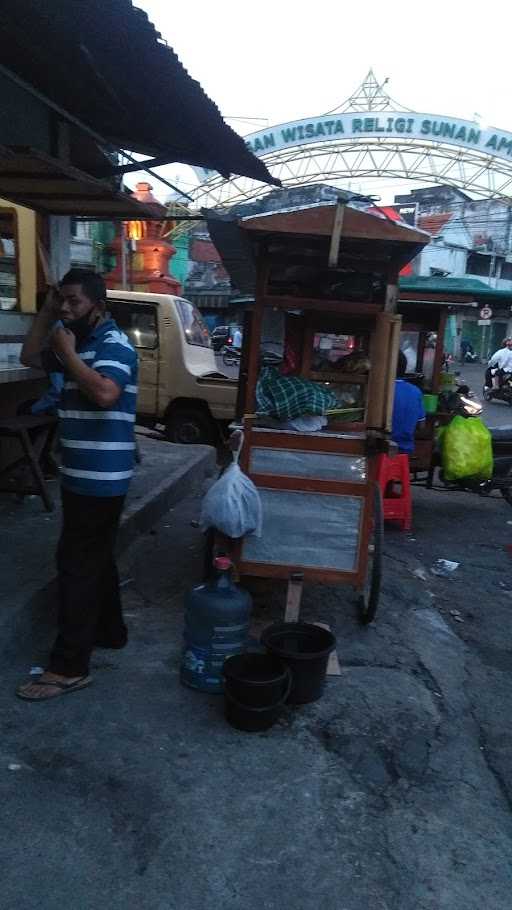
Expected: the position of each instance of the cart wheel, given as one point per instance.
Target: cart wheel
(369, 599)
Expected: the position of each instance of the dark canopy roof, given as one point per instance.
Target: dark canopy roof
(103, 62)
(49, 186)
(382, 238)
(464, 287)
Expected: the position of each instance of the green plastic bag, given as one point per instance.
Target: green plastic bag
(467, 449)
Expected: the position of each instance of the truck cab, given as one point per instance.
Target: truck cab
(179, 383)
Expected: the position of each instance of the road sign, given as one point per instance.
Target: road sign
(484, 322)
(485, 312)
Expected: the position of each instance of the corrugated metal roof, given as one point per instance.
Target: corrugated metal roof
(105, 63)
(51, 187)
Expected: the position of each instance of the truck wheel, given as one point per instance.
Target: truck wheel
(190, 427)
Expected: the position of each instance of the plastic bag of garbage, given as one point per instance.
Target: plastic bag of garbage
(232, 504)
(467, 449)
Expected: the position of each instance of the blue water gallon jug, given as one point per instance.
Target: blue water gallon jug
(216, 626)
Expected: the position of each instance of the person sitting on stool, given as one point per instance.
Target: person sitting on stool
(408, 409)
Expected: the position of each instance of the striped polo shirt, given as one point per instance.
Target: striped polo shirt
(98, 444)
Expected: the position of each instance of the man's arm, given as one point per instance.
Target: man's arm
(103, 391)
(34, 343)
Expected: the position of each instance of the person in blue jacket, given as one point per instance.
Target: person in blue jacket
(408, 409)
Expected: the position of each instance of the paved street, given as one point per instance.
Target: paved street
(231, 371)
(393, 792)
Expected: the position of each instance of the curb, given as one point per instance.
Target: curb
(143, 514)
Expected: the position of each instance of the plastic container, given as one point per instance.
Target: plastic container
(216, 627)
(256, 680)
(430, 403)
(255, 691)
(305, 649)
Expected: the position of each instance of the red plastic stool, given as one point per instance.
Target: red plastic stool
(392, 472)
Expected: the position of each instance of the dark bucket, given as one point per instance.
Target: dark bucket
(256, 687)
(256, 680)
(305, 649)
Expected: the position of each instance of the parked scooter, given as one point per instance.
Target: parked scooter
(461, 402)
(231, 356)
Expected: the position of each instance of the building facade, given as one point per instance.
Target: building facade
(471, 240)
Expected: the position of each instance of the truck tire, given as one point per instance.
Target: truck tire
(190, 427)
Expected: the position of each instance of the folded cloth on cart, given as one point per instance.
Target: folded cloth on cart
(287, 397)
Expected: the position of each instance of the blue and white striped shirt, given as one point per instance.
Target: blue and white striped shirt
(98, 444)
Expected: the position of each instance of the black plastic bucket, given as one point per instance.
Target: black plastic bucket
(257, 680)
(305, 649)
(256, 686)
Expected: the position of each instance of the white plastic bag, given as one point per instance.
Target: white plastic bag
(232, 504)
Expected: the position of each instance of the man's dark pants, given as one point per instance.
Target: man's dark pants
(90, 611)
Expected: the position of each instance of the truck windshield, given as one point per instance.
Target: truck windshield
(196, 330)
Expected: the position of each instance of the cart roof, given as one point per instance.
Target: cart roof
(318, 220)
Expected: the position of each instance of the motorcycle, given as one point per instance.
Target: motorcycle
(231, 356)
(462, 403)
(504, 390)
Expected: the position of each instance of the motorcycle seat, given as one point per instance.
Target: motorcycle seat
(501, 434)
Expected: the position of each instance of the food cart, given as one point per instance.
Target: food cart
(424, 316)
(326, 296)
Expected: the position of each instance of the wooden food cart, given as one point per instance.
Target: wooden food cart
(326, 296)
(424, 316)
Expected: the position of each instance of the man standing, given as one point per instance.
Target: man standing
(96, 427)
(408, 409)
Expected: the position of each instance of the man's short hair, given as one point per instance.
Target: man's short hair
(401, 367)
(93, 285)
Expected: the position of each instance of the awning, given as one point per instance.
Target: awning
(105, 64)
(464, 287)
(51, 187)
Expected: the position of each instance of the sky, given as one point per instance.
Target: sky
(282, 60)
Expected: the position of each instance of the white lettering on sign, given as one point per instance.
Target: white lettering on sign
(431, 127)
(349, 126)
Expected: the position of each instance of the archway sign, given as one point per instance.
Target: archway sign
(370, 135)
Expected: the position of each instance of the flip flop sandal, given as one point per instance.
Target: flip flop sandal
(64, 688)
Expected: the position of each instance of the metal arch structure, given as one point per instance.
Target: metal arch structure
(372, 136)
